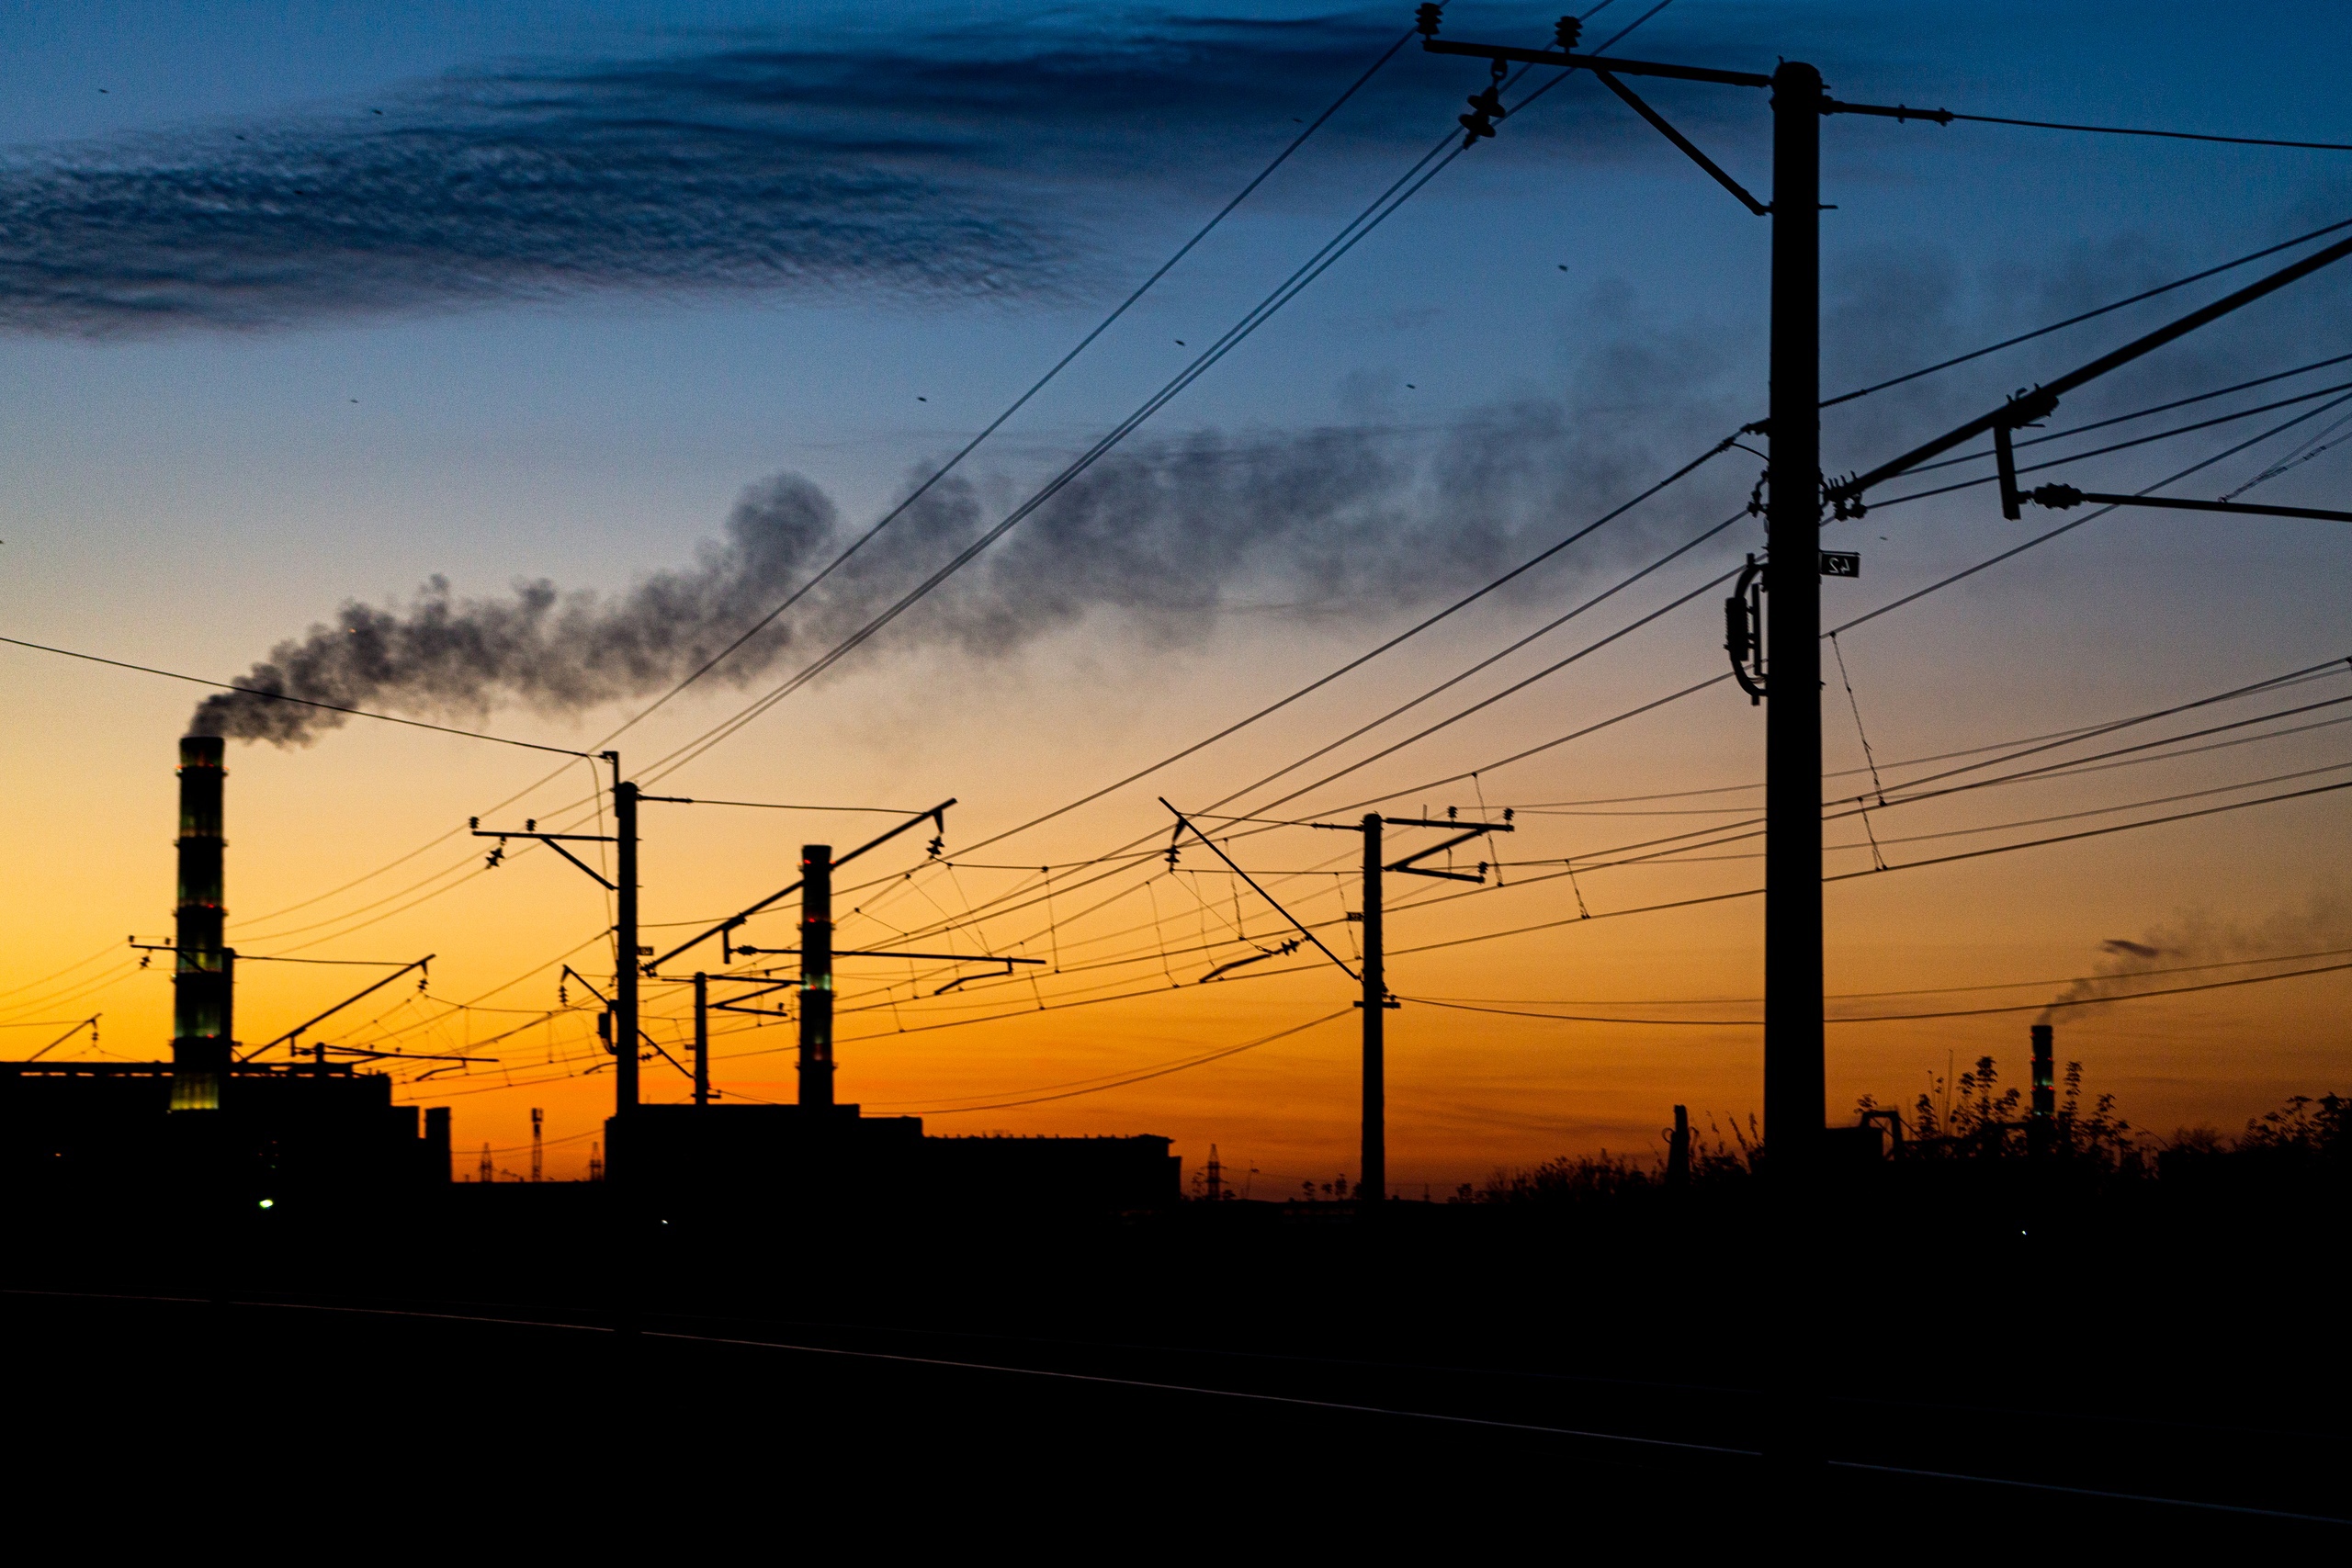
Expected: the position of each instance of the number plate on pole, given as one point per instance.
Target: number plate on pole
(1841, 563)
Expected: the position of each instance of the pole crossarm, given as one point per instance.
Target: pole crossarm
(936, 815)
(2023, 410)
(1411, 868)
(556, 842)
(400, 1055)
(885, 952)
(1596, 63)
(1185, 823)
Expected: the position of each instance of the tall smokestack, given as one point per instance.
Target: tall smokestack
(203, 986)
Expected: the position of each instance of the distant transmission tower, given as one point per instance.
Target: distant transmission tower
(596, 1162)
(489, 1171)
(1217, 1177)
(538, 1166)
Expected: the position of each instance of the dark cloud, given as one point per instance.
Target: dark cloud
(971, 165)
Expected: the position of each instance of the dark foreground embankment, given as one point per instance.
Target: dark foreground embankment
(1571, 1377)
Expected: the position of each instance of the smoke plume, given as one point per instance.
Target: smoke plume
(1155, 540)
(2323, 923)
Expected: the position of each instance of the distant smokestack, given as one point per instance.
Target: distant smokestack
(203, 986)
(2045, 1091)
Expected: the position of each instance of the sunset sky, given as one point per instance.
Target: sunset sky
(662, 304)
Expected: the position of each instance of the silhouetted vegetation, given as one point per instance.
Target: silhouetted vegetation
(1972, 1135)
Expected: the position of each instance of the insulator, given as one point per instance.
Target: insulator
(1425, 19)
(1565, 31)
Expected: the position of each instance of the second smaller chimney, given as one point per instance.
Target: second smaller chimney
(2045, 1092)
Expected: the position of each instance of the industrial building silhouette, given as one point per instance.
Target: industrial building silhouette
(207, 1122)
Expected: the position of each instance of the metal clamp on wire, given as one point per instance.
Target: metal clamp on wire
(1743, 630)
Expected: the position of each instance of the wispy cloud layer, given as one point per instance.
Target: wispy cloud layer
(961, 169)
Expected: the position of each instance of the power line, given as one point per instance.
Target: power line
(2089, 315)
(2140, 440)
(1363, 224)
(1690, 690)
(2066, 527)
(1406, 186)
(1159, 1072)
(283, 697)
(1897, 1017)
(2167, 135)
(1903, 865)
(2156, 409)
(951, 463)
(1038, 386)
(2160, 435)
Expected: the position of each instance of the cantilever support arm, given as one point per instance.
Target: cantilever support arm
(299, 1029)
(556, 842)
(1410, 867)
(2043, 399)
(1596, 63)
(1183, 822)
(2060, 497)
(936, 817)
(1634, 103)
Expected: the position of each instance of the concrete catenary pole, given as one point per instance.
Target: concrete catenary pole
(1794, 1085)
(702, 1038)
(1372, 1185)
(625, 1025)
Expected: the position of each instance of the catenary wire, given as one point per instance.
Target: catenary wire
(2089, 315)
(2167, 135)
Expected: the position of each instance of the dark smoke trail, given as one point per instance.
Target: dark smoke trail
(1160, 538)
(2324, 922)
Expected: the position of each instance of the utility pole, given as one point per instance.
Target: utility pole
(539, 1165)
(1793, 1080)
(1372, 1179)
(625, 979)
(1372, 1184)
(816, 976)
(702, 1038)
(622, 1037)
